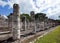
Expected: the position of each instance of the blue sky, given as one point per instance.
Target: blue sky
(5, 10)
(50, 7)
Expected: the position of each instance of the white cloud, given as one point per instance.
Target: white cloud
(2, 3)
(50, 7)
(3, 16)
(55, 16)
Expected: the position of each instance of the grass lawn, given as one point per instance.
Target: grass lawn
(52, 37)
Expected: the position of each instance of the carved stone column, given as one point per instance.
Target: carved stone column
(16, 22)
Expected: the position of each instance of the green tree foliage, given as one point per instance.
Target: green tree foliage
(41, 16)
(22, 16)
(58, 21)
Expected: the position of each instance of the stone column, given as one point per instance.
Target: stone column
(25, 23)
(32, 13)
(10, 22)
(16, 23)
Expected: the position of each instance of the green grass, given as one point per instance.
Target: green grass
(52, 37)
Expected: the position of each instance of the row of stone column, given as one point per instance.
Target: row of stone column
(18, 28)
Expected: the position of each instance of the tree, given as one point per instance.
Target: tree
(41, 16)
(22, 16)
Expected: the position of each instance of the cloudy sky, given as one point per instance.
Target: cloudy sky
(50, 7)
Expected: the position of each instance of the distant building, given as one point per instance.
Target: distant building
(3, 21)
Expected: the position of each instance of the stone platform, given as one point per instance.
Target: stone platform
(5, 35)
